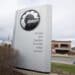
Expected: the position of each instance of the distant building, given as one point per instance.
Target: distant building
(62, 47)
(73, 48)
(3, 42)
(7, 42)
(72, 52)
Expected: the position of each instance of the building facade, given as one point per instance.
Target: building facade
(61, 47)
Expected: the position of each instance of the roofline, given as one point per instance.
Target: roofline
(61, 41)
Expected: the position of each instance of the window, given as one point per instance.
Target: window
(64, 45)
(55, 45)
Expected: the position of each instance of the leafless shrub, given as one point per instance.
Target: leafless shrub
(7, 54)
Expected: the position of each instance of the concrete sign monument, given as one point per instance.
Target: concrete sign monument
(32, 38)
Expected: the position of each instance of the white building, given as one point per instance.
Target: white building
(2, 42)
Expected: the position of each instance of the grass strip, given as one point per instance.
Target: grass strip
(64, 67)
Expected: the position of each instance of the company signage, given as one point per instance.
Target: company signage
(30, 20)
(32, 38)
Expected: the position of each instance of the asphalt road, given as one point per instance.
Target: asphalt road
(63, 59)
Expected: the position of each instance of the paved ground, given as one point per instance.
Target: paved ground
(63, 59)
(34, 73)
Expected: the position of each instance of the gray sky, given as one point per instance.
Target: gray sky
(63, 13)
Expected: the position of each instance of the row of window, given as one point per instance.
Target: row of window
(61, 45)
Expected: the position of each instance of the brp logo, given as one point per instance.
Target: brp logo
(30, 20)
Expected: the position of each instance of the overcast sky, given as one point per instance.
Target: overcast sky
(63, 16)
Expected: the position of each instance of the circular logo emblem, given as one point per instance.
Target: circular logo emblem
(30, 20)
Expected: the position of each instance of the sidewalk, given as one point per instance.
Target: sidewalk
(65, 55)
(34, 73)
